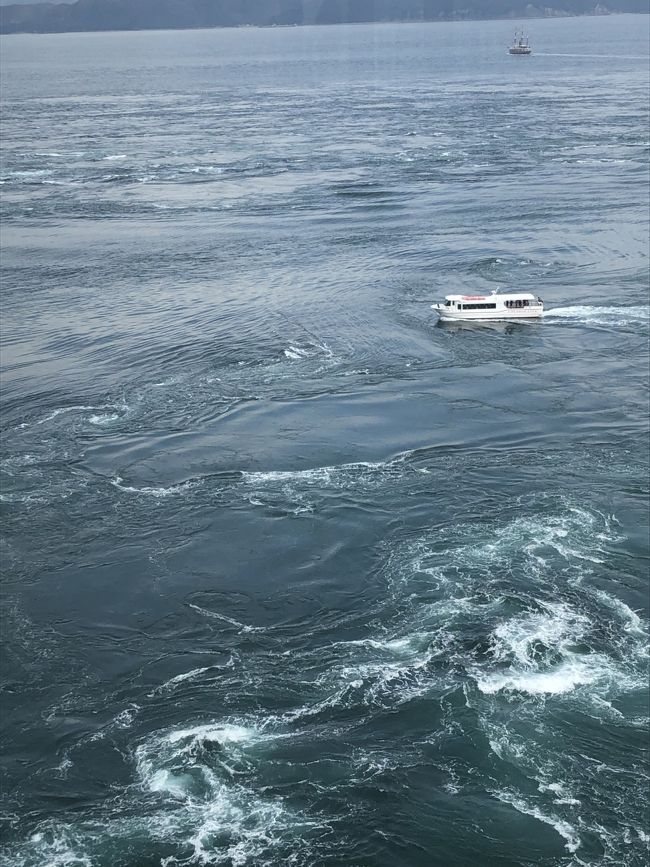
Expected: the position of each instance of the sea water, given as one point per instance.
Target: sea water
(293, 574)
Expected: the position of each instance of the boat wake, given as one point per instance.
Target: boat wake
(594, 56)
(617, 316)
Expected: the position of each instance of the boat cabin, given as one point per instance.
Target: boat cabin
(506, 305)
(491, 302)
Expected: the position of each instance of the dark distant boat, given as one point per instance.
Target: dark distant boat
(520, 44)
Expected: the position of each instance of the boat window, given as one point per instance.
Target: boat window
(479, 307)
(447, 303)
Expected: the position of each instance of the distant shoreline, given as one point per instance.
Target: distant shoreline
(516, 19)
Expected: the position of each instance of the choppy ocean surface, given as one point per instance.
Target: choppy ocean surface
(294, 575)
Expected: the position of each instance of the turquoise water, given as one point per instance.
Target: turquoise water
(294, 574)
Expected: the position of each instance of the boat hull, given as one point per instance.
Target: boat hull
(503, 315)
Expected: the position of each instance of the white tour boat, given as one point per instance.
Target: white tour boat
(497, 306)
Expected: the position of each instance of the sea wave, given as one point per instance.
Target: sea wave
(567, 831)
(158, 492)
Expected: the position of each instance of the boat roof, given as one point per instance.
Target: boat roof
(507, 296)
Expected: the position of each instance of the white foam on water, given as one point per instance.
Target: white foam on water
(379, 681)
(552, 648)
(197, 170)
(555, 629)
(368, 764)
(563, 679)
(215, 615)
(328, 475)
(208, 803)
(554, 626)
(398, 646)
(542, 637)
(306, 509)
(232, 825)
(318, 475)
(312, 709)
(33, 173)
(26, 460)
(601, 315)
(180, 678)
(563, 828)
(538, 751)
(57, 412)
(223, 733)
(22, 498)
(105, 418)
(159, 493)
(364, 371)
(466, 559)
(632, 623)
(258, 822)
(382, 671)
(52, 182)
(571, 534)
(54, 845)
(125, 718)
(605, 708)
(101, 414)
(169, 761)
(562, 796)
(379, 684)
(113, 157)
(177, 785)
(295, 352)
(505, 748)
(64, 766)
(594, 161)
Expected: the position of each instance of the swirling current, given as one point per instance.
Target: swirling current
(292, 573)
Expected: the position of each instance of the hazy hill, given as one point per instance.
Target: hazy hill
(31, 2)
(164, 14)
